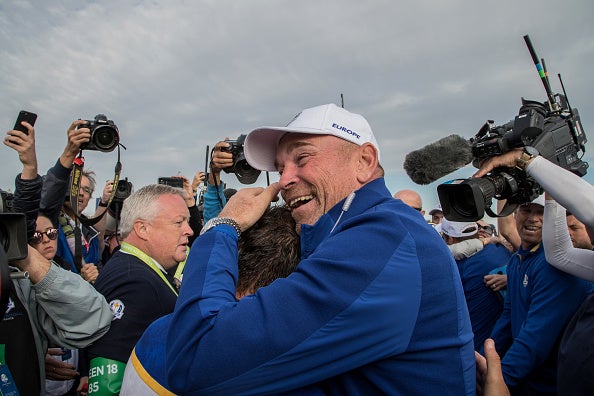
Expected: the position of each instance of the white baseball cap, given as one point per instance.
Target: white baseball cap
(260, 144)
(458, 229)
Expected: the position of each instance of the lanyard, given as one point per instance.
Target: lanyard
(145, 258)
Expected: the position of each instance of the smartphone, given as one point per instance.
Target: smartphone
(25, 116)
(172, 181)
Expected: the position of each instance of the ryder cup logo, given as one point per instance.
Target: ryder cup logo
(346, 130)
(117, 308)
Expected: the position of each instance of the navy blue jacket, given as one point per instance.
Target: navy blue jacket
(484, 305)
(540, 301)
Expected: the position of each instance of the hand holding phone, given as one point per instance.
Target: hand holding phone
(24, 116)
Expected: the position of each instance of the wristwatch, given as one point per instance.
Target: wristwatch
(527, 155)
(215, 221)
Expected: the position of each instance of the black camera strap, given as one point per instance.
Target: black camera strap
(507, 209)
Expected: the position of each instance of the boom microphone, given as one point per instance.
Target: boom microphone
(438, 159)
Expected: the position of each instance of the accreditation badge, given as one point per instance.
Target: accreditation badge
(105, 376)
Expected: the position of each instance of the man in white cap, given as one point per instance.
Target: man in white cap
(484, 305)
(539, 302)
(375, 305)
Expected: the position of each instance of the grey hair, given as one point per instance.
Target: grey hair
(142, 204)
(91, 176)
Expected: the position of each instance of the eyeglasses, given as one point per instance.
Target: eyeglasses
(86, 190)
(489, 229)
(52, 234)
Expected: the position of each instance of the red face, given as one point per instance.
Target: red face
(168, 232)
(317, 172)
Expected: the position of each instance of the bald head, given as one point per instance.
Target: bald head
(411, 198)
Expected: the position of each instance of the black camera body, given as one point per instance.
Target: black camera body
(244, 171)
(105, 135)
(123, 190)
(554, 130)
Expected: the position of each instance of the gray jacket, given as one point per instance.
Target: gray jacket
(54, 319)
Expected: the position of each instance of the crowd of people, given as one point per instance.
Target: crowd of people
(338, 287)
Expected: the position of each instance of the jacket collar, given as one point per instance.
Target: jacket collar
(366, 197)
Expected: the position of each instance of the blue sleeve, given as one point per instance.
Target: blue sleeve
(212, 205)
(555, 297)
(288, 330)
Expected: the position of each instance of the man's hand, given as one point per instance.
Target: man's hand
(506, 160)
(89, 272)
(58, 370)
(489, 377)
(220, 159)
(495, 282)
(107, 190)
(24, 145)
(76, 137)
(249, 204)
(199, 178)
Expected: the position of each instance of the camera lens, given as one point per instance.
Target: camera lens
(105, 138)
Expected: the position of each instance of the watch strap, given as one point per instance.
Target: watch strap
(221, 220)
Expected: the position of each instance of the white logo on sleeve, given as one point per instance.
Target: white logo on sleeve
(525, 282)
(117, 308)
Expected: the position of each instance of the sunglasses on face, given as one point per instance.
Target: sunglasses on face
(52, 233)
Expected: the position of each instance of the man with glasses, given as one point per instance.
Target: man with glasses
(55, 204)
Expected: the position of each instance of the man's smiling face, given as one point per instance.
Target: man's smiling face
(317, 172)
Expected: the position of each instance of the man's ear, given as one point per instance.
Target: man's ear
(140, 229)
(367, 163)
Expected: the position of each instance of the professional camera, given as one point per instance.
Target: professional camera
(123, 191)
(104, 134)
(552, 127)
(244, 172)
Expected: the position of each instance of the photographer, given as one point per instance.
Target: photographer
(38, 314)
(58, 209)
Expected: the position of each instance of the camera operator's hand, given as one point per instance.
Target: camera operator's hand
(89, 272)
(247, 205)
(221, 159)
(508, 160)
(24, 145)
(58, 370)
(107, 190)
(199, 178)
(76, 137)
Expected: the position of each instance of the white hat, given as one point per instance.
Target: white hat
(435, 210)
(458, 229)
(261, 143)
(540, 200)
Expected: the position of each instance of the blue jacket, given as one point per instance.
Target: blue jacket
(540, 301)
(484, 305)
(55, 188)
(376, 306)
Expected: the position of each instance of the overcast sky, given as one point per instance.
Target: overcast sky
(176, 76)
